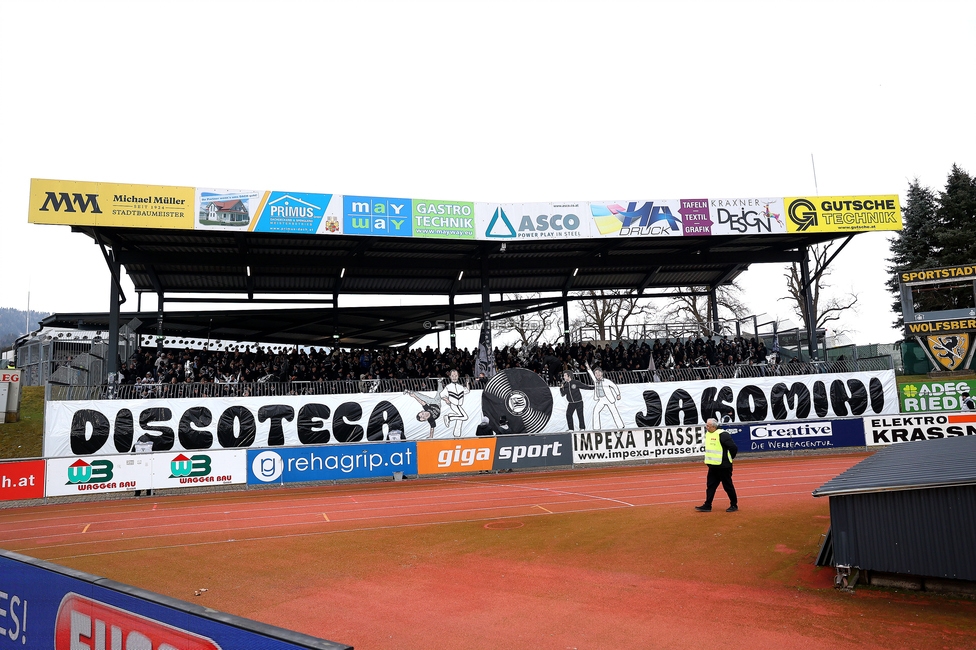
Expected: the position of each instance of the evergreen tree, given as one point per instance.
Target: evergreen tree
(937, 231)
(913, 247)
(956, 215)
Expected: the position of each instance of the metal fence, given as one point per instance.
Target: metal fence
(68, 358)
(429, 385)
(248, 389)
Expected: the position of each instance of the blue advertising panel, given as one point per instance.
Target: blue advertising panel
(292, 212)
(790, 436)
(330, 462)
(46, 606)
(371, 215)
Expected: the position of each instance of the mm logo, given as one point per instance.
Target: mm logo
(805, 218)
(182, 467)
(59, 200)
(98, 471)
(85, 623)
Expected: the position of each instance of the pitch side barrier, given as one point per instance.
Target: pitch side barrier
(43, 605)
(37, 478)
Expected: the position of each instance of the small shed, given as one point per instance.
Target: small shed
(908, 510)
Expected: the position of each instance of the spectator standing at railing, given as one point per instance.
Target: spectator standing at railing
(968, 403)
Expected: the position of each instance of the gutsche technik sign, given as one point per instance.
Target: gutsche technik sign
(152, 206)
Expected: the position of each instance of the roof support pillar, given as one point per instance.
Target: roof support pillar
(160, 310)
(453, 324)
(713, 307)
(115, 300)
(811, 317)
(565, 302)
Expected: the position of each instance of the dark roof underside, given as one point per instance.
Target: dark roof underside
(371, 327)
(907, 466)
(177, 261)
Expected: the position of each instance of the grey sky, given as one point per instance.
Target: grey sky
(481, 101)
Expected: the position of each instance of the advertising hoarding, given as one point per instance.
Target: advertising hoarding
(150, 206)
(21, 479)
(330, 463)
(44, 606)
(911, 428)
(931, 396)
(812, 214)
(81, 203)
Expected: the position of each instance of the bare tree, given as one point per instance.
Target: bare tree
(828, 309)
(696, 310)
(609, 312)
(531, 329)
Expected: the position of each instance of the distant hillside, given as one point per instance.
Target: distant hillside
(13, 323)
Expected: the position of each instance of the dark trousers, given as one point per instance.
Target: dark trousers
(718, 474)
(574, 407)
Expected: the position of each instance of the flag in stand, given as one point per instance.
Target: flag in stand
(486, 356)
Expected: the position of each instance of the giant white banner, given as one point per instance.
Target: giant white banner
(515, 401)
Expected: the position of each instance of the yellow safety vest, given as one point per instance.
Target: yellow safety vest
(713, 448)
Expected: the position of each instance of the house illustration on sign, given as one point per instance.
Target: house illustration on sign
(229, 213)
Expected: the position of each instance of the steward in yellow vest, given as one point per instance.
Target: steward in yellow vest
(720, 449)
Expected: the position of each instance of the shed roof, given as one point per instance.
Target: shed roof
(909, 466)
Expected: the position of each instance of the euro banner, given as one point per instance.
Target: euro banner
(812, 214)
(43, 605)
(81, 203)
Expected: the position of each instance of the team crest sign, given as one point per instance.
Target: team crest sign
(950, 352)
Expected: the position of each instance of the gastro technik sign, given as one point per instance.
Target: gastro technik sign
(147, 206)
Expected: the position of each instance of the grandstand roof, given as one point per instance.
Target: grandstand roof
(207, 261)
(370, 327)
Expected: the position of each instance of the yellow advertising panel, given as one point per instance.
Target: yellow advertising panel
(80, 203)
(810, 214)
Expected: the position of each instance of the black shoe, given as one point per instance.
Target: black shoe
(703, 508)
(732, 509)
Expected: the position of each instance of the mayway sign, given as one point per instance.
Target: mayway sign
(890, 430)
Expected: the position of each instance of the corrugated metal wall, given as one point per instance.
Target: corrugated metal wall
(929, 532)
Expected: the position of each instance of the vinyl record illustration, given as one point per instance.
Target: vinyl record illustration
(519, 395)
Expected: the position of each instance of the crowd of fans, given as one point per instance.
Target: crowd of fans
(262, 365)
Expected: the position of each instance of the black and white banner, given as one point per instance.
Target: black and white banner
(84, 428)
